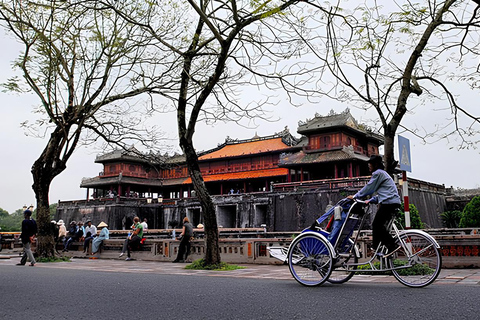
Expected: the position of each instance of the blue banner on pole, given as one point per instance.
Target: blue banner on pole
(404, 152)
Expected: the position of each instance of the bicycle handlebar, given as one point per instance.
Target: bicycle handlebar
(360, 201)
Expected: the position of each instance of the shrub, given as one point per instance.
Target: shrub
(222, 266)
(415, 220)
(471, 214)
(451, 219)
(53, 259)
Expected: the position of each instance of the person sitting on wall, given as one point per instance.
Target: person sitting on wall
(90, 233)
(55, 229)
(104, 234)
(75, 234)
(144, 224)
(72, 229)
(62, 233)
(133, 241)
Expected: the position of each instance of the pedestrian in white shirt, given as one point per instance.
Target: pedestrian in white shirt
(89, 233)
(144, 224)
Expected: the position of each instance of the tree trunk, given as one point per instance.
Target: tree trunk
(44, 170)
(389, 144)
(212, 251)
(41, 186)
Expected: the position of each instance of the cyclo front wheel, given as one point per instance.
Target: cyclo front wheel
(418, 263)
(310, 259)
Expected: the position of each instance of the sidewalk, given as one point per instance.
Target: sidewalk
(252, 271)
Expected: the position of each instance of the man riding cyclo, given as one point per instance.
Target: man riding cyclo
(388, 201)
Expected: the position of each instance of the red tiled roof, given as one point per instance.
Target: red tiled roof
(247, 148)
(243, 175)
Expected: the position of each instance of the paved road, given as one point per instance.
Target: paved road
(116, 289)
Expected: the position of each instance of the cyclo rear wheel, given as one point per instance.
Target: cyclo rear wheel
(422, 264)
(310, 259)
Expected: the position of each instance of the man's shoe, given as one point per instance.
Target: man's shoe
(128, 259)
(121, 255)
(175, 261)
(32, 264)
(20, 264)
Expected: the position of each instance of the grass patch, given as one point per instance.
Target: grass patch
(415, 270)
(222, 266)
(53, 259)
(365, 269)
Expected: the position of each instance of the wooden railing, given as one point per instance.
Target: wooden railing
(328, 184)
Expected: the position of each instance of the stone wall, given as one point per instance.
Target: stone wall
(430, 206)
(279, 211)
(295, 211)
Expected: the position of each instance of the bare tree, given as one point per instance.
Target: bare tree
(223, 29)
(86, 66)
(224, 47)
(378, 56)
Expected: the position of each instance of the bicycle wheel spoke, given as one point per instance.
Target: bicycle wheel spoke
(418, 265)
(310, 259)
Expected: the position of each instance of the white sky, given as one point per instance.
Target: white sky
(438, 163)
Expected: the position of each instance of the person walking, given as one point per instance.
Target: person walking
(185, 236)
(29, 231)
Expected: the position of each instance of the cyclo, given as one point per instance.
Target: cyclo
(330, 253)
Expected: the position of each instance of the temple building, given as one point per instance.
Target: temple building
(278, 182)
(330, 147)
(334, 146)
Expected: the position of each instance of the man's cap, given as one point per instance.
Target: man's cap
(375, 159)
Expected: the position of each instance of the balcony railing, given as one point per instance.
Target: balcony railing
(126, 174)
(327, 184)
(357, 149)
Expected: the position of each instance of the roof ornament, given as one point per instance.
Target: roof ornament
(228, 140)
(283, 133)
(348, 149)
